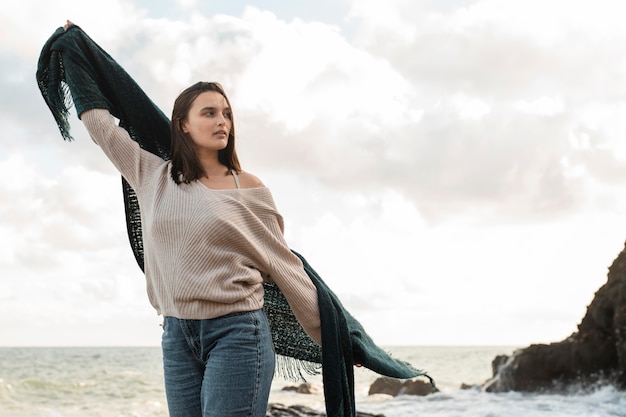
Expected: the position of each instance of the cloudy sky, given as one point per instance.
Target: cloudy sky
(455, 170)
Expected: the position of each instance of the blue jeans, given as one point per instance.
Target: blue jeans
(220, 367)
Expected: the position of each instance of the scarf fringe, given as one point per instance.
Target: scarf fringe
(418, 372)
(294, 370)
(56, 93)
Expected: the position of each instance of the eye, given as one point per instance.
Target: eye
(228, 115)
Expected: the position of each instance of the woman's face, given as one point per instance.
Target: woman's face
(209, 122)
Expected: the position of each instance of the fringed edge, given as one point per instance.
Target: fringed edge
(419, 373)
(61, 101)
(430, 379)
(294, 370)
(56, 93)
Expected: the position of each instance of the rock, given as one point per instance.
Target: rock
(497, 363)
(594, 354)
(395, 387)
(305, 388)
(389, 386)
(279, 410)
(416, 387)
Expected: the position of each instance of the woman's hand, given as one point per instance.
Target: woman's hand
(67, 25)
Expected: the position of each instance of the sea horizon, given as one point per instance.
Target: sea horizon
(123, 381)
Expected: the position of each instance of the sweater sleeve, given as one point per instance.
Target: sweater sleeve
(287, 271)
(127, 156)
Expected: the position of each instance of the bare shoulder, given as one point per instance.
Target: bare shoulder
(248, 180)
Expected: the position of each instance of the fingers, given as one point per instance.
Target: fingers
(67, 25)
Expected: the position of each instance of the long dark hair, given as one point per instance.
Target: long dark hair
(186, 166)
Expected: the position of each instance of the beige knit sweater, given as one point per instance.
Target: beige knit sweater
(207, 251)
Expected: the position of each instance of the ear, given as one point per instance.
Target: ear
(183, 125)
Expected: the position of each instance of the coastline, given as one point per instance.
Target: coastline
(127, 382)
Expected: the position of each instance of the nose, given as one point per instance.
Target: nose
(221, 120)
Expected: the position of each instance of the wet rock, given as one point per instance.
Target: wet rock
(594, 354)
(395, 387)
(305, 388)
(279, 410)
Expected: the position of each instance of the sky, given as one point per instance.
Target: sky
(455, 170)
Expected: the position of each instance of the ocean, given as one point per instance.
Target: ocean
(128, 382)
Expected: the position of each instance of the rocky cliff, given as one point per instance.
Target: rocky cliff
(594, 354)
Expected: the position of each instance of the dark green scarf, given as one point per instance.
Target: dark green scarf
(73, 68)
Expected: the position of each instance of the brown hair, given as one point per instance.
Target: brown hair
(186, 166)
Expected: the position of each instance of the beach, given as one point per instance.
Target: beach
(128, 382)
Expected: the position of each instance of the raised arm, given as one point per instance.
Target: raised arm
(134, 163)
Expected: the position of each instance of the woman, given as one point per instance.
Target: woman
(212, 236)
(206, 237)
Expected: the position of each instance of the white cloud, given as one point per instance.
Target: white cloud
(386, 18)
(543, 106)
(424, 165)
(470, 108)
(31, 22)
(306, 72)
(187, 4)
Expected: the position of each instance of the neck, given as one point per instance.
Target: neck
(211, 164)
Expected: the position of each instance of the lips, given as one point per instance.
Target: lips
(221, 132)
